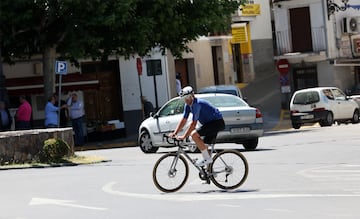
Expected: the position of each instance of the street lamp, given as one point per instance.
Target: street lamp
(332, 7)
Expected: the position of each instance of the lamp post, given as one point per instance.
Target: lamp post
(332, 7)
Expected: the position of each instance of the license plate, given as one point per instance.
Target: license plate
(307, 116)
(240, 130)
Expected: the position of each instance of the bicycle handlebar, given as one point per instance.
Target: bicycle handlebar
(172, 140)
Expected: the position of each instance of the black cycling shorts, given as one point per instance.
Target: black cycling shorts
(210, 130)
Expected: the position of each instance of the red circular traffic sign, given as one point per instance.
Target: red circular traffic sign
(283, 66)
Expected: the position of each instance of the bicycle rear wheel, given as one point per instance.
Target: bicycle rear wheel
(170, 172)
(229, 169)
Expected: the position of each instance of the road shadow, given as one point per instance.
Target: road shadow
(223, 191)
(221, 150)
(284, 132)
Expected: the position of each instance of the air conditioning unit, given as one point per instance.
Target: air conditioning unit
(351, 24)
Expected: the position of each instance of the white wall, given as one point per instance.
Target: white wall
(130, 86)
(260, 28)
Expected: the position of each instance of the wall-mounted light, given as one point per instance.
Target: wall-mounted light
(332, 7)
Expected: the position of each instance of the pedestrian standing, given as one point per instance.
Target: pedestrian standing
(64, 111)
(5, 117)
(23, 114)
(51, 113)
(76, 110)
(178, 83)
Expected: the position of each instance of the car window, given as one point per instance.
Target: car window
(328, 94)
(224, 90)
(174, 107)
(338, 94)
(306, 97)
(225, 101)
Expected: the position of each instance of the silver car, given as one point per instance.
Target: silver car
(243, 124)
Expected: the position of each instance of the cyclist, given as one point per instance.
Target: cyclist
(210, 118)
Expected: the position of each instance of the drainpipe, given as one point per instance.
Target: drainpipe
(324, 6)
(167, 75)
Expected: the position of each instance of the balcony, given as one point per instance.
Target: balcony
(284, 44)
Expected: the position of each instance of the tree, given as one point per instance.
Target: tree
(75, 29)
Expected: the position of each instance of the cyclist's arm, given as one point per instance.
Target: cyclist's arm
(188, 130)
(178, 127)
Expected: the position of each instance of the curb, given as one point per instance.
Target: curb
(97, 146)
(284, 121)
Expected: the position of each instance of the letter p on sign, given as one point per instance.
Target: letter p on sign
(60, 67)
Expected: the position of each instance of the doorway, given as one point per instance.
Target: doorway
(301, 29)
(305, 78)
(105, 103)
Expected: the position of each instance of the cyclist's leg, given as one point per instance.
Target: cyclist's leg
(210, 131)
(198, 141)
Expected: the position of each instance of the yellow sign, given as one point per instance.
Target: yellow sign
(250, 9)
(239, 34)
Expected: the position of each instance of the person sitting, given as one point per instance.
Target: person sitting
(210, 118)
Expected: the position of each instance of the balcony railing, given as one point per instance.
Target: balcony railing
(284, 44)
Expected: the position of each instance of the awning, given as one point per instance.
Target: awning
(347, 62)
(35, 85)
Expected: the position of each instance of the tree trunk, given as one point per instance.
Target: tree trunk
(3, 92)
(49, 56)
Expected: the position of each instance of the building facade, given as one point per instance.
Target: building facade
(316, 44)
(112, 91)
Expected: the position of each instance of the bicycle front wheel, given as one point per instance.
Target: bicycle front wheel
(170, 172)
(229, 169)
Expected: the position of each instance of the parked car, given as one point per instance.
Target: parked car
(225, 89)
(324, 105)
(243, 124)
(356, 98)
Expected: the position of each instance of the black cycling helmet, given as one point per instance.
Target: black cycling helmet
(186, 91)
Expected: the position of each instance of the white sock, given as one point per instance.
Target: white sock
(205, 154)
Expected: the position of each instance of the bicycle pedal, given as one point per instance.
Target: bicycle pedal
(207, 181)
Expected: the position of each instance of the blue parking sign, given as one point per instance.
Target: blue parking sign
(60, 67)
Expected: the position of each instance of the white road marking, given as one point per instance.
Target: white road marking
(64, 203)
(109, 188)
(333, 172)
(279, 210)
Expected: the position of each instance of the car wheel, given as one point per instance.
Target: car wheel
(355, 118)
(251, 144)
(145, 143)
(296, 125)
(329, 120)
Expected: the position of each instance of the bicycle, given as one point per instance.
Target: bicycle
(228, 170)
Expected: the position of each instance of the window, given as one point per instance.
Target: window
(328, 94)
(306, 98)
(338, 94)
(222, 101)
(174, 107)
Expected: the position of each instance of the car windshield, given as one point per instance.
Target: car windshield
(306, 97)
(225, 101)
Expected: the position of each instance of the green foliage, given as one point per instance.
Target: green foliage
(53, 150)
(99, 28)
(96, 29)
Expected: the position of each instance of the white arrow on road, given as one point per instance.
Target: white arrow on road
(65, 203)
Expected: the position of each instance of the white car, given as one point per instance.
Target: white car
(324, 105)
(243, 124)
